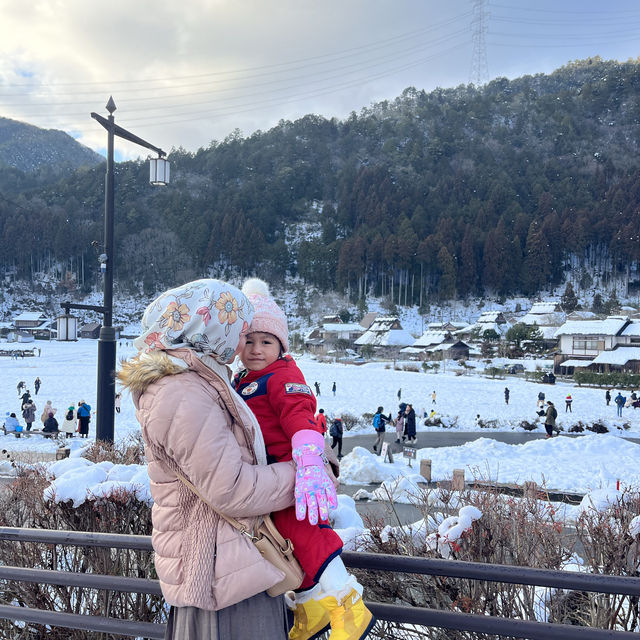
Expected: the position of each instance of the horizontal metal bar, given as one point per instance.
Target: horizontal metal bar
(84, 622)
(80, 539)
(492, 625)
(624, 585)
(86, 580)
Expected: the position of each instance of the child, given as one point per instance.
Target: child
(276, 391)
(400, 422)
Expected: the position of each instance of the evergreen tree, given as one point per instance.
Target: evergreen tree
(569, 299)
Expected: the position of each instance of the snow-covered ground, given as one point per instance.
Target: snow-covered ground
(595, 461)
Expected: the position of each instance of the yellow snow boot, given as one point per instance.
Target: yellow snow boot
(350, 619)
(310, 618)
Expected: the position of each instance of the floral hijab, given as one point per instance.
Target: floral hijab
(204, 315)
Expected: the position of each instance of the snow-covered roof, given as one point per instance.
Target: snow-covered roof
(390, 338)
(575, 363)
(341, 327)
(548, 333)
(29, 316)
(618, 356)
(632, 330)
(489, 317)
(429, 338)
(543, 319)
(542, 308)
(608, 327)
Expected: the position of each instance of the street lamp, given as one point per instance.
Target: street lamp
(107, 339)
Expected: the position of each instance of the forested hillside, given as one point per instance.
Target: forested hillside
(498, 189)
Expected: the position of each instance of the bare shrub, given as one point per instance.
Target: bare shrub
(610, 549)
(128, 451)
(349, 420)
(411, 367)
(597, 427)
(122, 512)
(514, 531)
(528, 426)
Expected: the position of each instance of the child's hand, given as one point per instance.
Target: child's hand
(314, 491)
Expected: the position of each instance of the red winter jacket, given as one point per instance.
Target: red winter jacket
(282, 402)
(321, 421)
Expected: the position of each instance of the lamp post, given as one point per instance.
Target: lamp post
(107, 339)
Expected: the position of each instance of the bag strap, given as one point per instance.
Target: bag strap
(232, 521)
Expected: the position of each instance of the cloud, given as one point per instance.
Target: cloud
(184, 73)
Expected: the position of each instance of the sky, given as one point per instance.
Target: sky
(183, 74)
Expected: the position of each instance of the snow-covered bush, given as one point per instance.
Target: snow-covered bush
(118, 507)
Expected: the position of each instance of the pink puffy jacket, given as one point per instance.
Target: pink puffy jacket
(191, 426)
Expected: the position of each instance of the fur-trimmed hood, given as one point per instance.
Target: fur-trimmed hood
(139, 373)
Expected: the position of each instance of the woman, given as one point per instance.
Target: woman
(195, 426)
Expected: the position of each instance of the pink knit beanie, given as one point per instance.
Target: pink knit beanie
(268, 316)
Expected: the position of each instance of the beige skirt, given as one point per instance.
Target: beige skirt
(260, 616)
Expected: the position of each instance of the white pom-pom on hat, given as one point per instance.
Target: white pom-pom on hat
(255, 287)
(268, 316)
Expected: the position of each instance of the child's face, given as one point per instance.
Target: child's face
(261, 350)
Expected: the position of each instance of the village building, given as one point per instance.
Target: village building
(612, 344)
(385, 337)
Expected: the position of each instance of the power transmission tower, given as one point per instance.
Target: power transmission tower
(479, 66)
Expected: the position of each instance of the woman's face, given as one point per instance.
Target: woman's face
(260, 350)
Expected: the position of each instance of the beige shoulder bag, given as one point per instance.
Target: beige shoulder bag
(272, 546)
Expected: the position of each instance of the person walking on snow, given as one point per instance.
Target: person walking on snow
(321, 421)
(506, 395)
(333, 389)
(275, 390)
(607, 397)
(317, 386)
(619, 400)
(410, 424)
(36, 385)
(21, 386)
(567, 404)
(400, 422)
(433, 397)
(379, 421)
(336, 430)
(550, 419)
(541, 397)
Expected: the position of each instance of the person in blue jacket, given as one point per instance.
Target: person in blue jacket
(84, 416)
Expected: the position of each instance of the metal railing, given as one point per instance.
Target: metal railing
(494, 626)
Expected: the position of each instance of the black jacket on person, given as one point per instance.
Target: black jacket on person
(50, 425)
(410, 423)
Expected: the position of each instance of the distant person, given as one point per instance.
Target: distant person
(10, 423)
(506, 395)
(69, 423)
(410, 424)
(541, 398)
(379, 422)
(317, 386)
(478, 421)
(48, 408)
(568, 401)
(433, 397)
(335, 431)
(50, 426)
(399, 394)
(84, 416)
(321, 421)
(117, 402)
(29, 413)
(619, 400)
(333, 389)
(550, 419)
(400, 422)
(25, 396)
(36, 385)
(21, 384)
(607, 397)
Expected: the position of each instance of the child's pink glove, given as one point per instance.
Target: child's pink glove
(314, 489)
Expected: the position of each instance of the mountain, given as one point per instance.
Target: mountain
(31, 149)
(510, 188)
